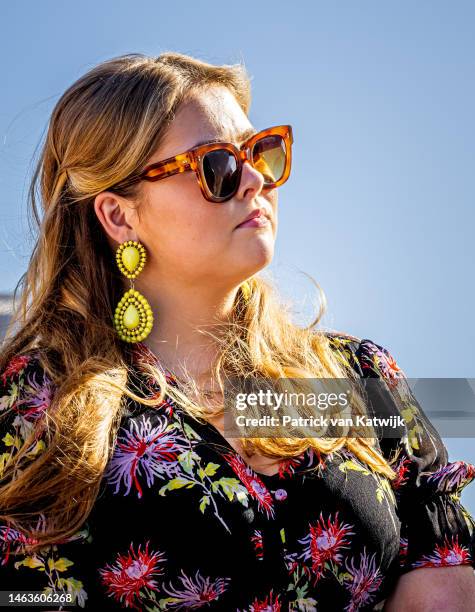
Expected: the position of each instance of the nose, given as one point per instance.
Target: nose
(251, 183)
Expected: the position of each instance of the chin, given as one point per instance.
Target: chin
(257, 259)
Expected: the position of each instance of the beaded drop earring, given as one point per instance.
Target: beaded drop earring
(246, 290)
(133, 318)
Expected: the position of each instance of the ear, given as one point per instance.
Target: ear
(116, 215)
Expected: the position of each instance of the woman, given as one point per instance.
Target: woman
(121, 487)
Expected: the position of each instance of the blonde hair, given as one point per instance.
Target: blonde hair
(103, 129)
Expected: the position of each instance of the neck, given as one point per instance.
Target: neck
(180, 318)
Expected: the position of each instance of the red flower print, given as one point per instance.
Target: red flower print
(15, 366)
(403, 549)
(287, 466)
(36, 399)
(451, 553)
(131, 573)
(378, 359)
(12, 539)
(365, 579)
(256, 539)
(167, 405)
(195, 593)
(269, 604)
(390, 365)
(312, 456)
(252, 482)
(324, 542)
(402, 468)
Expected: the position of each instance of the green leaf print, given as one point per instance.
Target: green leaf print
(176, 483)
(211, 468)
(190, 432)
(231, 487)
(352, 465)
(32, 562)
(187, 460)
(384, 488)
(204, 502)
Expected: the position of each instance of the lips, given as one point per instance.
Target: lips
(258, 212)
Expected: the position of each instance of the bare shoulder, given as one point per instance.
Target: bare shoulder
(434, 588)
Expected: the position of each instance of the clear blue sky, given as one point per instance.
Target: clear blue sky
(379, 208)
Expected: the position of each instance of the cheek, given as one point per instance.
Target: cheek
(180, 223)
(272, 199)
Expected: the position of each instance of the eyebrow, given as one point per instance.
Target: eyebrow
(241, 137)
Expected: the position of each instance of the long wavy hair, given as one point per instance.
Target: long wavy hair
(103, 129)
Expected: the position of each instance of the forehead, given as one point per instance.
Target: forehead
(209, 114)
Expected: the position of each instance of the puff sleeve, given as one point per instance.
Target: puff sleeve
(25, 394)
(436, 529)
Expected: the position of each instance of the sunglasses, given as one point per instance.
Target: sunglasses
(218, 165)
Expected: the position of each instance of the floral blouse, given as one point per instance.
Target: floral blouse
(183, 523)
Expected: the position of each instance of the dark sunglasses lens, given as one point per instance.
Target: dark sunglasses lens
(221, 172)
(269, 156)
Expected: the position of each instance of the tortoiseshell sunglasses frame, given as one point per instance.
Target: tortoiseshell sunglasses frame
(192, 160)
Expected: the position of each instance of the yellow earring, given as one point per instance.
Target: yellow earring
(246, 290)
(133, 318)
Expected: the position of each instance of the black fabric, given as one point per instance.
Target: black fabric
(183, 523)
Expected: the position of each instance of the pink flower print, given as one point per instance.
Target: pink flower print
(324, 542)
(258, 543)
(195, 593)
(451, 553)
(36, 399)
(252, 482)
(280, 494)
(12, 539)
(316, 456)
(455, 475)
(364, 581)
(166, 405)
(144, 451)
(292, 565)
(379, 359)
(15, 366)
(131, 573)
(312, 458)
(269, 604)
